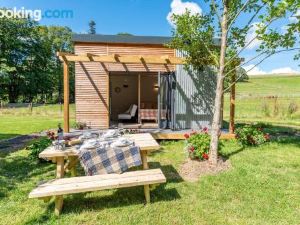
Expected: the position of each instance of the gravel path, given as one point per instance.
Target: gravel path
(16, 143)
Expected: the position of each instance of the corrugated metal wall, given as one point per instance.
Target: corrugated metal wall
(194, 97)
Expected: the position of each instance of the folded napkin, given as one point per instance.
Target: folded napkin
(91, 143)
(121, 142)
(111, 134)
(86, 135)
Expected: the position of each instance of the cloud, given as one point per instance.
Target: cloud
(258, 71)
(250, 37)
(294, 19)
(255, 71)
(178, 7)
(285, 70)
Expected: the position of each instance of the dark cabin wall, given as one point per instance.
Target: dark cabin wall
(194, 97)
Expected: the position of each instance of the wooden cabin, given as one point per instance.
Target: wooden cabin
(115, 72)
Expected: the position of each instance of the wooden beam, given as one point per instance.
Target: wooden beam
(66, 97)
(232, 104)
(139, 99)
(115, 58)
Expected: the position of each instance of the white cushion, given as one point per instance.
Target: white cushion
(133, 110)
(124, 116)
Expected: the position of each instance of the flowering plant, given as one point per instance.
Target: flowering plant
(251, 135)
(197, 144)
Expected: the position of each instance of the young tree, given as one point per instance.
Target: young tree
(194, 34)
(92, 27)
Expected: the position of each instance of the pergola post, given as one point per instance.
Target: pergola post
(66, 97)
(232, 103)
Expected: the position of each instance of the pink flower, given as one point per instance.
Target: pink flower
(192, 148)
(186, 136)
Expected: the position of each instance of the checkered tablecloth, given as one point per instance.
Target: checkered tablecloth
(109, 160)
(151, 114)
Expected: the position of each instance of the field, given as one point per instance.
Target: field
(18, 121)
(274, 100)
(262, 187)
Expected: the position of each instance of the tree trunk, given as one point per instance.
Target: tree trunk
(216, 123)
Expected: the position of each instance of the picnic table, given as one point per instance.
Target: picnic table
(62, 186)
(145, 141)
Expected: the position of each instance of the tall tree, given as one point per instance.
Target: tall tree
(194, 34)
(92, 27)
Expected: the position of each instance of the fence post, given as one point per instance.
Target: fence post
(30, 107)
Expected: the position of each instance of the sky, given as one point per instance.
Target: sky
(142, 17)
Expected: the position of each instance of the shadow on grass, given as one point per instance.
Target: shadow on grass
(119, 197)
(7, 136)
(19, 169)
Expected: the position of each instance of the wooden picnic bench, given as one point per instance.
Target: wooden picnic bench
(64, 186)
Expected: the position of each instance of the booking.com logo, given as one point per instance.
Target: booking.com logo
(36, 14)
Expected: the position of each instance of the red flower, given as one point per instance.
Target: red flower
(267, 137)
(205, 155)
(205, 129)
(192, 148)
(186, 136)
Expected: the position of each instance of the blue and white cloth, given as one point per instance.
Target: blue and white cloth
(105, 160)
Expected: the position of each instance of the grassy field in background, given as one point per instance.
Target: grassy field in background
(261, 99)
(267, 99)
(17, 121)
(262, 187)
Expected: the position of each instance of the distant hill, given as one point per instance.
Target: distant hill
(275, 75)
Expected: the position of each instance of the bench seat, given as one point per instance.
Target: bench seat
(60, 187)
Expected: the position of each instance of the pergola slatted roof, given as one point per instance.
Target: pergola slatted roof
(116, 58)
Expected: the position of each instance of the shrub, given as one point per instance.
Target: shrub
(37, 147)
(197, 144)
(292, 108)
(251, 135)
(265, 109)
(81, 126)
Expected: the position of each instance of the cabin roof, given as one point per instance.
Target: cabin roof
(126, 39)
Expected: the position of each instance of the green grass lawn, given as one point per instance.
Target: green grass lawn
(262, 187)
(17, 121)
(267, 99)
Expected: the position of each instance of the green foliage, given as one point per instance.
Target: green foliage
(124, 34)
(197, 145)
(242, 75)
(251, 135)
(92, 27)
(37, 147)
(29, 68)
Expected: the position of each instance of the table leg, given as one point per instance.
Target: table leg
(60, 170)
(72, 165)
(145, 167)
(59, 201)
(144, 160)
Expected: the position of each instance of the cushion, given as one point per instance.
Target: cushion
(124, 116)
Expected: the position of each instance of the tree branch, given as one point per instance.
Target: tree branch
(261, 61)
(213, 3)
(242, 49)
(238, 13)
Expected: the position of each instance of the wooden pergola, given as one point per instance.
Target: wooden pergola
(66, 58)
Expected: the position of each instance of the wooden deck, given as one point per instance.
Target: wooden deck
(168, 134)
(180, 136)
